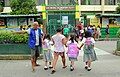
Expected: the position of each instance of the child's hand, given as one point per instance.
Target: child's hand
(66, 52)
(79, 48)
(43, 42)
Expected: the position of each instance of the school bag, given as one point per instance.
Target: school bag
(73, 50)
(88, 47)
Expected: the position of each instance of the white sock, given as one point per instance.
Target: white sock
(50, 65)
(89, 68)
(86, 65)
(45, 67)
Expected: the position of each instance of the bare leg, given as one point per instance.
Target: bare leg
(49, 63)
(55, 60)
(46, 63)
(72, 63)
(89, 63)
(72, 66)
(107, 36)
(33, 64)
(86, 65)
(63, 60)
(46, 68)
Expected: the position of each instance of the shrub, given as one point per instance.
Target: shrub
(12, 38)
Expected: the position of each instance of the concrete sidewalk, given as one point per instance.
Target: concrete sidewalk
(107, 65)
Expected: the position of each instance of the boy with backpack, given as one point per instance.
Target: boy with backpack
(73, 51)
(89, 52)
(66, 31)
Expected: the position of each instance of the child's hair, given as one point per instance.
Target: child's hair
(72, 38)
(88, 34)
(59, 30)
(47, 36)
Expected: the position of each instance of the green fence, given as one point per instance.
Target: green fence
(112, 34)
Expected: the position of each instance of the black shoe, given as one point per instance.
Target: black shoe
(71, 69)
(53, 71)
(45, 68)
(86, 67)
(50, 67)
(89, 69)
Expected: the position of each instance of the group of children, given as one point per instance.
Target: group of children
(73, 49)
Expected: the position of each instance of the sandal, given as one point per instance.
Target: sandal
(64, 67)
(53, 71)
(37, 65)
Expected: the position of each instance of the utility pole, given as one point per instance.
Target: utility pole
(102, 7)
(79, 3)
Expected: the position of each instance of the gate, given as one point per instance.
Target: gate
(55, 20)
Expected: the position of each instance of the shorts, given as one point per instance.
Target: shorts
(60, 53)
(73, 59)
(35, 52)
(47, 56)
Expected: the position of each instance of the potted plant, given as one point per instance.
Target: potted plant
(13, 43)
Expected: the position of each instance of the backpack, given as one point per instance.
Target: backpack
(88, 47)
(73, 51)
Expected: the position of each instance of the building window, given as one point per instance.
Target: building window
(40, 2)
(7, 3)
(73, 2)
(90, 2)
(110, 2)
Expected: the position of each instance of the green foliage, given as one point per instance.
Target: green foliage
(1, 7)
(23, 7)
(118, 33)
(12, 38)
(118, 9)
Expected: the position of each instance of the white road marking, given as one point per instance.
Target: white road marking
(98, 52)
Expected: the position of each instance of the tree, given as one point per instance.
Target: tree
(1, 5)
(118, 9)
(23, 7)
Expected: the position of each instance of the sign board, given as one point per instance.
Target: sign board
(64, 20)
(105, 22)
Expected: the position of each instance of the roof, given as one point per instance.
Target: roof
(29, 15)
(108, 15)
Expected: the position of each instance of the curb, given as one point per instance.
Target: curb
(110, 39)
(17, 57)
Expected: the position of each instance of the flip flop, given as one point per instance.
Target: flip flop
(64, 67)
(53, 71)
